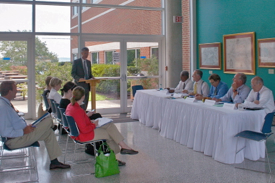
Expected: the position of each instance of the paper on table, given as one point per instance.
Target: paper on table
(229, 106)
(177, 95)
(103, 121)
(209, 102)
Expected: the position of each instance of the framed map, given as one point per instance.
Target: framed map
(239, 53)
(210, 56)
(266, 52)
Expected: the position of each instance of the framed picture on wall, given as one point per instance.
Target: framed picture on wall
(239, 53)
(210, 56)
(266, 52)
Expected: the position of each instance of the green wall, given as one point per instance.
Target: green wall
(216, 18)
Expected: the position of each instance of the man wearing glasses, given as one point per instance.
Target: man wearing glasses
(218, 88)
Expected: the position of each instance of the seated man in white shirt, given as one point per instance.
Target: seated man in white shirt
(200, 87)
(260, 96)
(19, 134)
(185, 83)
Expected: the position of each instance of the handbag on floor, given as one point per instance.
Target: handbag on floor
(106, 163)
(89, 149)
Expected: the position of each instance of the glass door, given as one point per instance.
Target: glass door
(106, 66)
(120, 63)
(16, 65)
(142, 67)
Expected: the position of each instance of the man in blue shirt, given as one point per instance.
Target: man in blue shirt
(19, 134)
(238, 91)
(218, 88)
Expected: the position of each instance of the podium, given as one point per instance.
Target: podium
(92, 83)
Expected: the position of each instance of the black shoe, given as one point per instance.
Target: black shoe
(54, 127)
(63, 131)
(128, 151)
(121, 163)
(59, 166)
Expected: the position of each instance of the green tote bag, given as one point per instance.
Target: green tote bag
(106, 164)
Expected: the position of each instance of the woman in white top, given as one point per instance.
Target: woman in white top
(55, 84)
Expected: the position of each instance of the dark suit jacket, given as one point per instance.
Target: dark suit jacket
(78, 72)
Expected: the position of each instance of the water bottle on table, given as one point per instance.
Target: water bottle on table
(160, 87)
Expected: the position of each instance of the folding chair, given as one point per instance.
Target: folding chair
(31, 155)
(74, 132)
(257, 136)
(53, 106)
(58, 117)
(46, 102)
(135, 88)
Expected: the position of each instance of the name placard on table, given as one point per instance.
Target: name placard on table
(229, 106)
(210, 102)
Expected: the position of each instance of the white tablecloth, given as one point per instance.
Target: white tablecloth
(204, 128)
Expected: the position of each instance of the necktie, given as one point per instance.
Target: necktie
(85, 70)
(195, 88)
(258, 96)
(215, 91)
(183, 86)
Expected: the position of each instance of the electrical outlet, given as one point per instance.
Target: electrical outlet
(210, 72)
(270, 71)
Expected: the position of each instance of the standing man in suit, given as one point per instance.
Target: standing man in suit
(81, 71)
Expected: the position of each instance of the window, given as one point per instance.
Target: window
(131, 56)
(95, 1)
(155, 52)
(74, 10)
(74, 57)
(109, 57)
(94, 58)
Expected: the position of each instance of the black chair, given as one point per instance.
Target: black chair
(135, 88)
(31, 155)
(257, 136)
(46, 102)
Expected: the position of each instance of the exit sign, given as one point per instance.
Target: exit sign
(178, 19)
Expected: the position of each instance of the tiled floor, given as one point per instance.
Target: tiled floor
(159, 160)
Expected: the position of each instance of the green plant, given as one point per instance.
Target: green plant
(132, 70)
(151, 65)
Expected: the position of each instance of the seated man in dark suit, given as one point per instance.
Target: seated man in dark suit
(19, 134)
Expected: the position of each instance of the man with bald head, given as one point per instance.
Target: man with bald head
(238, 91)
(260, 96)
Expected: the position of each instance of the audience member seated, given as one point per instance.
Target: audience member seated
(47, 90)
(67, 93)
(19, 134)
(200, 88)
(55, 84)
(185, 83)
(238, 91)
(260, 96)
(218, 88)
(88, 130)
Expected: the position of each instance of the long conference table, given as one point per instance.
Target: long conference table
(204, 128)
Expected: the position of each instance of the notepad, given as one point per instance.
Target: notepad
(40, 119)
(103, 121)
